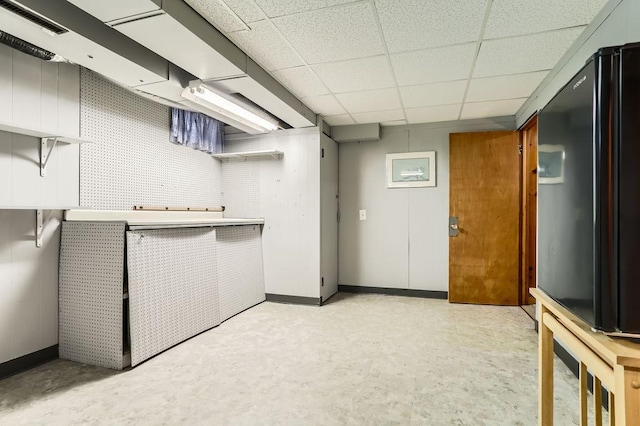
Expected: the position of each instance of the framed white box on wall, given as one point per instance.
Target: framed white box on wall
(411, 169)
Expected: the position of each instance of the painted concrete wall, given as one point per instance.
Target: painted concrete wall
(286, 193)
(45, 96)
(404, 241)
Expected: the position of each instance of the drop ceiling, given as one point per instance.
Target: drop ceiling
(404, 61)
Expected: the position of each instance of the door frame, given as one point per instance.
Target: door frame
(529, 209)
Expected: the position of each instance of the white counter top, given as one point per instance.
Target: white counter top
(159, 218)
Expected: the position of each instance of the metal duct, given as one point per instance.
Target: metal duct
(28, 48)
(40, 21)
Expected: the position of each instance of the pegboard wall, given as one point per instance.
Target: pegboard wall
(173, 287)
(241, 180)
(241, 188)
(133, 161)
(240, 273)
(90, 293)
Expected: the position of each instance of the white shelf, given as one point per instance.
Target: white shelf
(45, 137)
(29, 131)
(273, 153)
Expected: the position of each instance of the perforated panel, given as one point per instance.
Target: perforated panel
(240, 275)
(241, 188)
(173, 292)
(90, 294)
(133, 161)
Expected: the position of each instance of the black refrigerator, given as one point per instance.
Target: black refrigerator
(589, 192)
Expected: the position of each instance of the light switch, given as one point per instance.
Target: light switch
(363, 215)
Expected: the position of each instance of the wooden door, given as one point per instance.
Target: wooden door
(484, 191)
(529, 208)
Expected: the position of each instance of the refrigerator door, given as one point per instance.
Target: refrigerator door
(566, 217)
(628, 191)
(606, 152)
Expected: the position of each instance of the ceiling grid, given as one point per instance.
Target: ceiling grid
(475, 56)
(404, 61)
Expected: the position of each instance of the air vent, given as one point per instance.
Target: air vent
(26, 14)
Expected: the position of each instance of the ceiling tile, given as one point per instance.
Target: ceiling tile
(301, 81)
(504, 87)
(433, 65)
(275, 8)
(432, 114)
(227, 19)
(266, 46)
(357, 74)
(451, 92)
(339, 120)
(333, 34)
(370, 100)
(324, 105)
(491, 109)
(419, 24)
(518, 17)
(379, 116)
(524, 54)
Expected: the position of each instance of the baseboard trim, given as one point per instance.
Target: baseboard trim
(293, 300)
(28, 361)
(427, 294)
(573, 365)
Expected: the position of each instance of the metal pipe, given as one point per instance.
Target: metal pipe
(26, 47)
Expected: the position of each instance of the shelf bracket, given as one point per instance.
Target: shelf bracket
(45, 153)
(39, 227)
(40, 223)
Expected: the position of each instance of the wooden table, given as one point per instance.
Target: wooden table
(614, 363)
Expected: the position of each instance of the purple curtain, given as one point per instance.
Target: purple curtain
(197, 131)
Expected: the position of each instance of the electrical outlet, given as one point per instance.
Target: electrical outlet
(363, 215)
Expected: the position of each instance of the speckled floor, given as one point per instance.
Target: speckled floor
(361, 359)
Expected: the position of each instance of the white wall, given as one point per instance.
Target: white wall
(39, 95)
(404, 241)
(45, 96)
(617, 24)
(286, 193)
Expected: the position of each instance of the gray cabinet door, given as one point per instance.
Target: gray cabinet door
(173, 292)
(91, 281)
(240, 275)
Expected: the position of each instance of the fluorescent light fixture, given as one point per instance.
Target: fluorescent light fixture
(227, 110)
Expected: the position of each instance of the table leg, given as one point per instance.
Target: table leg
(627, 408)
(612, 408)
(584, 392)
(545, 371)
(597, 400)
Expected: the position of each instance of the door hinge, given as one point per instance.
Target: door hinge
(520, 149)
(322, 152)
(322, 281)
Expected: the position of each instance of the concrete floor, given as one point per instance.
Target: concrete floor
(361, 359)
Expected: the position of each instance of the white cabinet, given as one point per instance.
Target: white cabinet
(129, 293)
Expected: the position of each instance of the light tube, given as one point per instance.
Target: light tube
(208, 98)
